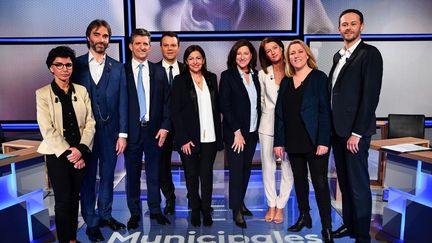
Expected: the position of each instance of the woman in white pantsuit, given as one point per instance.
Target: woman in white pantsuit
(272, 62)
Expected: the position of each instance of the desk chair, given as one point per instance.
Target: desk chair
(404, 125)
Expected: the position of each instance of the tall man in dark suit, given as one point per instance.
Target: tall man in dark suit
(149, 123)
(105, 81)
(169, 45)
(355, 84)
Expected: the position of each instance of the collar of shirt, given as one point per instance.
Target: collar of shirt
(349, 51)
(91, 58)
(167, 65)
(242, 73)
(58, 91)
(135, 64)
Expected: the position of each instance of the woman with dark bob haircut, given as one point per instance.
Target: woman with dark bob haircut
(197, 122)
(240, 107)
(67, 126)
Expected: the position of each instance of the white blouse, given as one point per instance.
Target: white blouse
(207, 130)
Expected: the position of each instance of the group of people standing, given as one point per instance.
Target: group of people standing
(97, 108)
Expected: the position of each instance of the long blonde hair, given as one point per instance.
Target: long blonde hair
(311, 62)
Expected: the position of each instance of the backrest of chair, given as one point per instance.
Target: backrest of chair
(404, 125)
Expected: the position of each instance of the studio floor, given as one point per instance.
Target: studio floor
(223, 230)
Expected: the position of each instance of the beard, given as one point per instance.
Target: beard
(98, 48)
(349, 38)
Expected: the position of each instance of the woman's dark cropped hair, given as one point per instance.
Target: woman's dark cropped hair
(60, 51)
(191, 49)
(231, 62)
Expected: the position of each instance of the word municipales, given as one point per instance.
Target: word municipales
(275, 237)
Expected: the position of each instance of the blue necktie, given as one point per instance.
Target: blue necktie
(141, 93)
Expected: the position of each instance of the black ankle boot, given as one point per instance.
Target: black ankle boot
(327, 236)
(207, 218)
(303, 220)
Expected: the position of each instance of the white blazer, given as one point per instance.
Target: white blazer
(269, 94)
(50, 119)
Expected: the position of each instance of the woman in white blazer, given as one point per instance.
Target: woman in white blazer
(272, 62)
(67, 126)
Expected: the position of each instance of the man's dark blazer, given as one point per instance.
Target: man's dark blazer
(113, 101)
(235, 105)
(315, 110)
(356, 91)
(185, 113)
(159, 101)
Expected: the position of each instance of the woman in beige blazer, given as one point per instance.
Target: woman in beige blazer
(67, 126)
(272, 62)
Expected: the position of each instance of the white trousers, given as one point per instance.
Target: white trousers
(268, 162)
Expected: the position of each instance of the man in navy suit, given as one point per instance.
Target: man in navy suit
(149, 123)
(355, 84)
(169, 45)
(105, 81)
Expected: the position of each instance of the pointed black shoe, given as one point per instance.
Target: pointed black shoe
(196, 218)
(246, 211)
(94, 234)
(239, 219)
(133, 222)
(169, 208)
(341, 232)
(327, 236)
(112, 223)
(207, 219)
(303, 220)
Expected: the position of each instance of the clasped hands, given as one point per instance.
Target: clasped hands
(75, 157)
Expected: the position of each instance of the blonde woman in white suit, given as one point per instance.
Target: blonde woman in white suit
(272, 62)
(67, 126)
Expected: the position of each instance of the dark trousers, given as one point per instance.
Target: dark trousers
(239, 165)
(66, 182)
(104, 156)
(353, 176)
(165, 176)
(318, 167)
(146, 144)
(199, 168)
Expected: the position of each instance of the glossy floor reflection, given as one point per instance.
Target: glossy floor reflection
(223, 229)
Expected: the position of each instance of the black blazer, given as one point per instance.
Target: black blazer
(315, 110)
(235, 105)
(356, 91)
(159, 101)
(185, 114)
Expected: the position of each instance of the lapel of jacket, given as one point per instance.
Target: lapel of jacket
(212, 91)
(191, 90)
(104, 80)
(348, 62)
(153, 84)
(237, 79)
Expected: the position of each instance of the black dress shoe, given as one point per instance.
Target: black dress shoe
(112, 223)
(196, 218)
(341, 232)
(327, 236)
(303, 220)
(169, 208)
(160, 218)
(246, 211)
(239, 219)
(133, 222)
(207, 219)
(94, 234)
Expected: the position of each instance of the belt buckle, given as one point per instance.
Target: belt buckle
(144, 123)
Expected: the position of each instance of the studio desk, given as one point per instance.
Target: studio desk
(23, 215)
(408, 215)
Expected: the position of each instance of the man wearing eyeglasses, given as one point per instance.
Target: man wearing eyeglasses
(105, 81)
